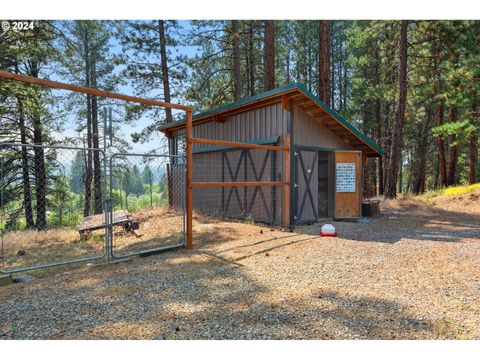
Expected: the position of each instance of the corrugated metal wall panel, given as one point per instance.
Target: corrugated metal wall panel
(255, 124)
(311, 132)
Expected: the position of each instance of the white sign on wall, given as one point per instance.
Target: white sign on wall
(345, 175)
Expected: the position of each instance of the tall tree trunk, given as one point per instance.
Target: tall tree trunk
(269, 54)
(339, 65)
(367, 190)
(378, 121)
(89, 165)
(309, 68)
(40, 174)
(97, 170)
(400, 175)
(378, 135)
(473, 149)
(39, 155)
(324, 61)
(288, 67)
(27, 192)
(442, 162)
(421, 153)
(333, 91)
(452, 149)
(237, 76)
(345, 86)
(165, 75)
(397, 135)
(251, 63)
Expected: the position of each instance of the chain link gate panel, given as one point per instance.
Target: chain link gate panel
(45, 203)
(147, 202)
(61, 205)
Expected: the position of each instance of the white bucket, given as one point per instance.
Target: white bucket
(328, 230)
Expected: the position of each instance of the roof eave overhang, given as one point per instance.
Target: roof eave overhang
(373, 149)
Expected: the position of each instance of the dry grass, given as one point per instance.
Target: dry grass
(464, 203)
(50, 246)
(159, 227)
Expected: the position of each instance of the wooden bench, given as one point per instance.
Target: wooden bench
(96, 222)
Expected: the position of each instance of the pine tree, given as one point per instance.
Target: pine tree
(324, 89)
(153, 68)
(269, 49)
(87, 62)
(397, 136)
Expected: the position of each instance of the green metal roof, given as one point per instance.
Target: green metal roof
(279, 91)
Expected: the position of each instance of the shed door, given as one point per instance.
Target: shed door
(306, 185)
(348, 184)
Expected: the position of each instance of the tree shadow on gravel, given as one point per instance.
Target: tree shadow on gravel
(185, 295)
(435, 225)
(329, 315)
(159, 293)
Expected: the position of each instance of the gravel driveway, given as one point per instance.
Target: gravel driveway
(409, 274)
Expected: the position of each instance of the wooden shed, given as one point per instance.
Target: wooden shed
(326, 157)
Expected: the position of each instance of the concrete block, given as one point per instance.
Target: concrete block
(6, 280)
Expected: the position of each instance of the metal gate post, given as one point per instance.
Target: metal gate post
(1, 210)
(106, 199)
(109, 213)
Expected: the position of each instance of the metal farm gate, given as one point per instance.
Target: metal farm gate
(50, 217)
(157, 221)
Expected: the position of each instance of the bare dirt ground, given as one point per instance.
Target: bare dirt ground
(413, 274)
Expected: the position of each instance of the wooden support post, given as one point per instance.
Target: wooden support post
(286, 176)
(169, 185)
(286, 103)
(237, 183)
(235, 144)
(189, 197)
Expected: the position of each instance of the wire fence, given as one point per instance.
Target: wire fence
(61, 205)
(262, 203)
(147, 195)
(46, 191)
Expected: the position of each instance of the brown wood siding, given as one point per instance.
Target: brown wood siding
(348, 205)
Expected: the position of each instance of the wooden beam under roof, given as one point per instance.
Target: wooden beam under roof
(286, 103)
(302, 101)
